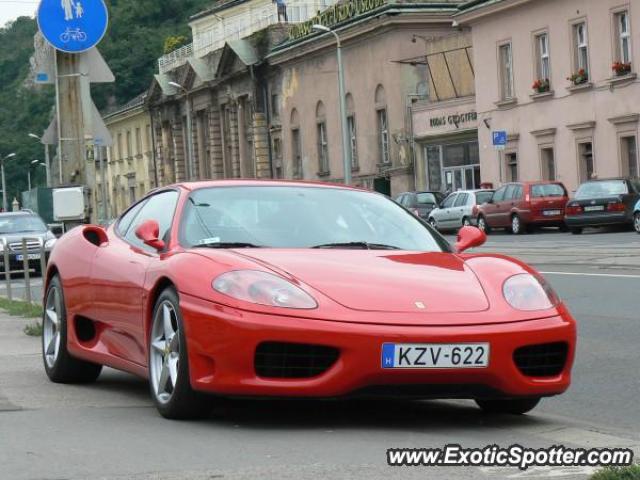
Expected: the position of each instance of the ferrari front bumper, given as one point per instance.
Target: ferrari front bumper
(222, 343)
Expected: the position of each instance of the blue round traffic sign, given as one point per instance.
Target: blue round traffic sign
(73, 26)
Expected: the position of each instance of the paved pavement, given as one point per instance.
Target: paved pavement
(110, 429)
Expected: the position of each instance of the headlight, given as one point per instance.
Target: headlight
(528, 292)
(263, 288)
(50, 243)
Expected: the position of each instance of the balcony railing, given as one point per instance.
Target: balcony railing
(175, 59)
(236, 27)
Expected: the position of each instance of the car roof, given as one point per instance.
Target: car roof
(17, 214)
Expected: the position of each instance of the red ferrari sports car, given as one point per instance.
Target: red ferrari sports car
(291, 289)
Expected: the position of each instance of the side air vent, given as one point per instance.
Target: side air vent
(544, 360)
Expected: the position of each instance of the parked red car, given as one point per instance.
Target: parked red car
(521, 206)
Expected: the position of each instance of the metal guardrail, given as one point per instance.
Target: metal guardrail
(26, 270)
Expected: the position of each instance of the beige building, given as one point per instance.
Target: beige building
(130, 160)
(379, 40)
(543, 71)
(445, 125)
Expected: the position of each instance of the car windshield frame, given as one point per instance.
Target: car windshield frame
(25, 221)
(594, 192)
(229, 219)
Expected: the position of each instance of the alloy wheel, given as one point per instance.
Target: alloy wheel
(51, 327)
(482, 224)
(165, 352)
(466, 222)
(515, 224)
(636, 222)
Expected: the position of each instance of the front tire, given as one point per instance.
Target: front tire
(466, 222)
(432, 222)
(483, 225)
(636, 222)
(511, 406)
(169, 379)
(59, 365)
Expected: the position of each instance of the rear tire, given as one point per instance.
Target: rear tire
(511, 406)
(516, 225)
(432, 222)
(483, 225)
(169, 380)
(59, 365)
(576, 230)
(466, 222)
(636, 222)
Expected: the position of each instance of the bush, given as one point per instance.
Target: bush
(631, 472)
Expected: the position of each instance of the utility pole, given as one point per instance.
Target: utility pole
(71, 142)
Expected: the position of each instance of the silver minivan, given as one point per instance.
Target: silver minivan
(457, 210)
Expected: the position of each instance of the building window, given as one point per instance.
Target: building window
(543, 68)
(323, 148)
(511, 162)
(296, 150)
(548, 161)
(623, 37)
(585, 159)
(506, 71)
(581, 42)
(119, 146)
(353, 141)
(129, 148)
(383, 136)
(138, 142)
(628, 151)
(275, 107)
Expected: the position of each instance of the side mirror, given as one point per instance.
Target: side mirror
(469, 237)
(148, 232)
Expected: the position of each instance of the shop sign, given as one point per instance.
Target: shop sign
(336, 14)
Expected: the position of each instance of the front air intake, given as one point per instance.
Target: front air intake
(544, 360)
(293, 360)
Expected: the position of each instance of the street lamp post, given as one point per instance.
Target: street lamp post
(4, 183)
(33, 162)
(346, 150)
(189, 130)
(47, 162)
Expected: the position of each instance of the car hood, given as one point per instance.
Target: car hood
(382, 281)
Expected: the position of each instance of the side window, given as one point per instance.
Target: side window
(499, 195)
(449, 200)
(160, 208)
(461, 200)
(517, 194)
(508, 195)
(410, 200)
(128, 217)
(400, 199)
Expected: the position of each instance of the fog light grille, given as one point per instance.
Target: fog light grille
(293, 360)
(544, 360)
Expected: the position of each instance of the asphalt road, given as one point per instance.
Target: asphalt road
(110, 429)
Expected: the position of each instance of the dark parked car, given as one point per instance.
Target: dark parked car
(603, 202)
(521, 206)
(14, 227)
(420, 203)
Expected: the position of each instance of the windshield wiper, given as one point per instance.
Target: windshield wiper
(228, 245)
(362, 245)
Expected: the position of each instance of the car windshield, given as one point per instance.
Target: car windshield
(605, 188)
(547, 190)
(483, 197)
(426, 198)
(301, 217)
(21, 224)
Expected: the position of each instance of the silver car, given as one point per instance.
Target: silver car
(457, 210)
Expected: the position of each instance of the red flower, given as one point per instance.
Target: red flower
(581, 71)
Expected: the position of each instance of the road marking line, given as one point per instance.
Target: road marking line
(614, 275)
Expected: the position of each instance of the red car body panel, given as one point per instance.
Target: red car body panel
(365, 298)
(529, 208)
